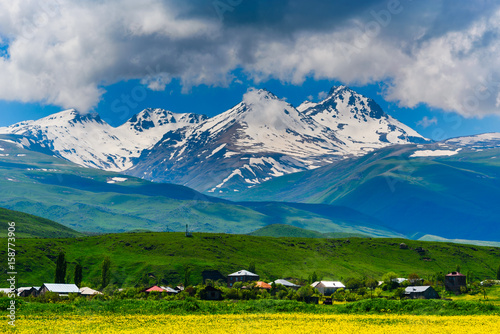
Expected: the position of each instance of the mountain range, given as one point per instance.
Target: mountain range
(446, 189)
(338, 166)
(261, 138)
(95, 201)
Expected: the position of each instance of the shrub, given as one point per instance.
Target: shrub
(304, 292)
(339, 295)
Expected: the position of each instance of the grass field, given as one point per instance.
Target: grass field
(492, 296)
(257, 323)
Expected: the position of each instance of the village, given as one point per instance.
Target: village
(246, 285)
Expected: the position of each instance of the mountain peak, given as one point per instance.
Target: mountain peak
(150, 118)
(335, 90)
(347, 100)
(69, 116)
(265, 106)
(260, 94)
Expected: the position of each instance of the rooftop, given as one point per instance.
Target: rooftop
(263, 285)
(169, 289)
(284, 283)
(89, 291)
(411, 289)
(62, 288)
(243, 273)
(328, 284)
(154, 288)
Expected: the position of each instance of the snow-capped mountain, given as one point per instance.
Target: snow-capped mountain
(260, 138)
(358, 121)
(265, 137)
(477, 142)
(87, 140)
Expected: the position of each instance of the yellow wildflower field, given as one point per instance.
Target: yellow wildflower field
(256, 323)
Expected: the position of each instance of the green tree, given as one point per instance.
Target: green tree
(390, 280)
(339, 295)
(251, 267)
(458, 268)
(353, 283)
(105, 272)
(470, 277)
(414, 279)
(78, 275)
(371, 283)
(498, 272)
(60, 268)
(304, 292)
(314, 277)
(399, 293)
(438, 279)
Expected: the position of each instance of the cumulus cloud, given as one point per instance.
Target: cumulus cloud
(439, 52)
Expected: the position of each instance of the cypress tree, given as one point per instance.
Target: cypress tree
(78, 274)
(60, 268)
(105, 271)
(314, 277)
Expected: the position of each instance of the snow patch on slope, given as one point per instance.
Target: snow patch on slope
(434, 153)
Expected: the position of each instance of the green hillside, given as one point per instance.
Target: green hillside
(453, 197)
(281, 230)
(91, 200)
(29, 226)
(145, 258)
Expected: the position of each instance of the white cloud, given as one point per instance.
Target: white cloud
(63, 55)
(426, 122)
(64, 52)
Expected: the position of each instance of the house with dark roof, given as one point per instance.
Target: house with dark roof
(455, 281)
(28, 291)
(421, 292)
(241, 276)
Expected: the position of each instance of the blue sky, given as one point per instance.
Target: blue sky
(433, 65)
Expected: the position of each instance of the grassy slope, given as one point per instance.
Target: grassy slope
(281, 230)
(29, 226)
(442, 196)
(167, 255)
(82, 199)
